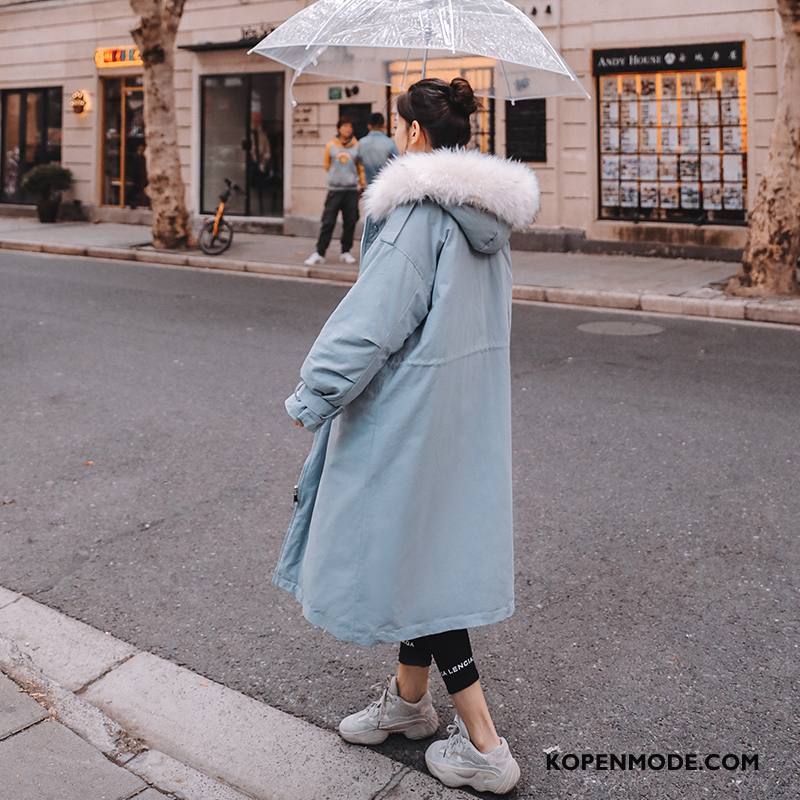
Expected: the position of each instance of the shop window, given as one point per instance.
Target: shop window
(478, 70)
(526, 130)
(30, 135)
(242, 140)
(124, 160)
(673, 133)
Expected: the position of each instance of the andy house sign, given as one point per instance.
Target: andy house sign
(719, 55)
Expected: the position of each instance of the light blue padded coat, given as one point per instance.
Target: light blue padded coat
(402, 523)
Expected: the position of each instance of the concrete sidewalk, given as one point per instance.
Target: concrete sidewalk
(84, 715)
(674, 286)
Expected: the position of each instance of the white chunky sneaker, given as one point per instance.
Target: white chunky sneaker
(314, 259)
(391, 714)
(457, 762)
(347, 258)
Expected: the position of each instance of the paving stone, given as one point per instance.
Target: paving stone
(65, 649)
(254, 748)
(111, 252)
(184, 782)
(50, 762)
(17, 709)
(786, 311)
(7, 596)
(13, 244)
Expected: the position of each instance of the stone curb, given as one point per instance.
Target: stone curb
(184, 733)
(101, 732)
(703, 303)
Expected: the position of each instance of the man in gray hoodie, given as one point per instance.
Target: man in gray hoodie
(345, 181)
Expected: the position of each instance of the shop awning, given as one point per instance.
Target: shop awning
(239, 44)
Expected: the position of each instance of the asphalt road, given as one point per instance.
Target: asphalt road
(146, 476)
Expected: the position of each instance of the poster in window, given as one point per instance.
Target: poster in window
(609, 87)
(709, 112)
(689, 114)
(730, 111)
(669, 86)
(629, 87)
(709, 168)
(648, 86)
(629, 195)
(733, 196)
(609, 193)
(669, 112)
(648, 140)
(669, 140)
(730, 84)
(610, 139)
(649, 112)
(610, 110)
(610, 168)
(668, 168)
(732, 139)
(629, 112)
(649, 195)
(690, 168)
(732, 168)
(690, 195)
(690, 140)
(712, 196)
(688, 86)
(628, 140)
(708, 84)
(668, 195)
(629, 168)
(709, 140)
(648, 168)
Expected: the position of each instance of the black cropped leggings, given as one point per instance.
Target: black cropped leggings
(452, 651)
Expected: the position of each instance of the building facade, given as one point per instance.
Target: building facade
(667, 153)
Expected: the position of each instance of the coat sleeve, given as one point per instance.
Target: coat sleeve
(385, 305)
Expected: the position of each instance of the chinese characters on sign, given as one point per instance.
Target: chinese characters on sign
(673, 133)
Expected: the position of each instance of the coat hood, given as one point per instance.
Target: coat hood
(487, 195)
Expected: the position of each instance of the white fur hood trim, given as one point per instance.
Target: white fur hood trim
(455, 176)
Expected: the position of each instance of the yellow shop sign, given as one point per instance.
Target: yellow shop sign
(126, 56)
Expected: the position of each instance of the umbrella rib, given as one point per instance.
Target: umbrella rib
(508, 85)
(452, 27)
(405, 70)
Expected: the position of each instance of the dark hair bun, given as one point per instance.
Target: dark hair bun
(462, 96)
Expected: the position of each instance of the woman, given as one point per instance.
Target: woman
(402, 528)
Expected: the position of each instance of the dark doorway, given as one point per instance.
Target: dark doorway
(242, 139)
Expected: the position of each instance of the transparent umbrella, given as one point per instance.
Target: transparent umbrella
(393, 42)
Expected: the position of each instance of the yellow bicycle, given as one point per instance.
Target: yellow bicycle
(217, 234)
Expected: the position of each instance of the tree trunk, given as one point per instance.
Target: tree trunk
(155, 38)
(769, 262)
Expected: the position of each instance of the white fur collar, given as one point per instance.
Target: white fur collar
(456, 176)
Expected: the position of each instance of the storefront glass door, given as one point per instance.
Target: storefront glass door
(31, 135)
(124, 165)
(242, 140)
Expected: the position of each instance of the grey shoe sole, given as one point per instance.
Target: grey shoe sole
(421, 730)
(481, 782)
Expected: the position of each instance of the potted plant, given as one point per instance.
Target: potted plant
(47, 181)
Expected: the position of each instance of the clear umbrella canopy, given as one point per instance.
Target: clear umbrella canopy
(394, 42)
